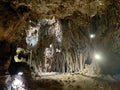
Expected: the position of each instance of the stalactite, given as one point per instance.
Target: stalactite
(53, 55)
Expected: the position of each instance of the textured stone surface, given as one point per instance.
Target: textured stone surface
(78, 18)
(81, 17)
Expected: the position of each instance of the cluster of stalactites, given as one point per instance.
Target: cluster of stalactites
(32, 34)
(54, 31)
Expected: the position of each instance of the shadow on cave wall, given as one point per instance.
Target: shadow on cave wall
(7, 50)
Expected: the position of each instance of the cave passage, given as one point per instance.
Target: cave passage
(59, 44)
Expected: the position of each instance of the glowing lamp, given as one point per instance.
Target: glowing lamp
(17, 84)
(20, 73)
(92, 35)
(97, 57)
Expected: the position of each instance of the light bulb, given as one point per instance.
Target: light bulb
(92, 35)
(20, 73)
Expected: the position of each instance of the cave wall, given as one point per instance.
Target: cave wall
(77, 47)
(107, 41)
(78, 22)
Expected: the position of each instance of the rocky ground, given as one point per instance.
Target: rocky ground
(68, 81)
(75, 82)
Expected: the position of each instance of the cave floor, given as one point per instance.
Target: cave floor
(68, 81)
(73, 82)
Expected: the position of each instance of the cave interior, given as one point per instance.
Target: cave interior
(59, 44)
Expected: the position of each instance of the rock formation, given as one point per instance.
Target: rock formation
(73, 48)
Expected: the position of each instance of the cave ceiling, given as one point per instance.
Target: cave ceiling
(15, 13)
